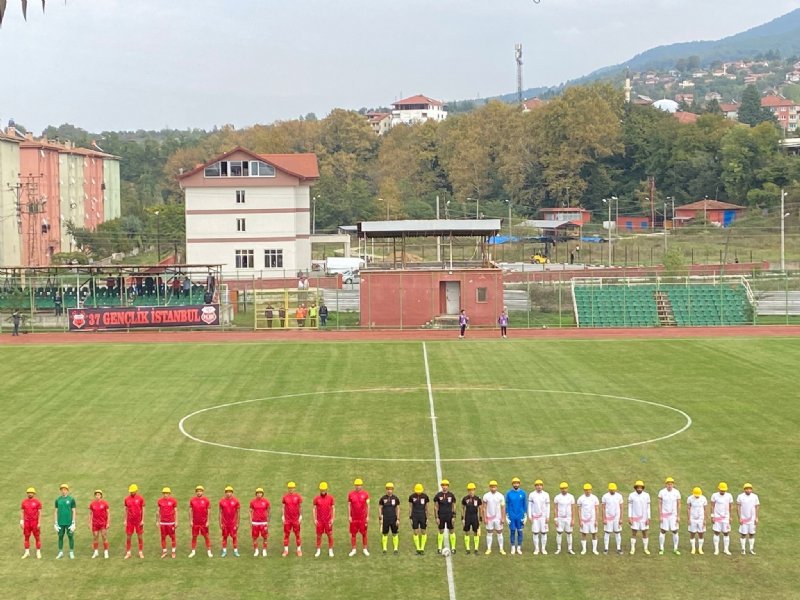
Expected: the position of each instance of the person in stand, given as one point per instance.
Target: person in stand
(463, 321)
(300, 315)
(269, 314)
(58, 303)
(16, 319)
(176, 287)
(187, 286)
(502, 320)
(323, 315)
(281, 316)
(313, 311)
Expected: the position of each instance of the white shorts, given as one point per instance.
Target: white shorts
(564, 525)
(697, 526)
(747, 528)
(539, 525)
(590, 527)
(640, 525)
(612, 526)
(495, 524)
(721, 526)
(669, 524)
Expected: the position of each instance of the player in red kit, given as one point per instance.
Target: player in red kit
(358, 509)
(199, 506)
(259, 521)
(29, 522)
(134, 519)
(229, 521)
(99, 521)
(323, 517)
(167, 519)
(292, 503)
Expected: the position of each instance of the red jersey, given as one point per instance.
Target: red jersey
(324, 506)
(291, 507)
(358, 499)
(31, 507)
(260, 508)
(199, 506)
(99, 510)
(134, 506)
(167, 505)
(228, 510)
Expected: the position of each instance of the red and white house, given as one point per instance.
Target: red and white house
(786, 111)
(250, 213)
(417, 109)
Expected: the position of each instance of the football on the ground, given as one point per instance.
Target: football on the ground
(446, 552)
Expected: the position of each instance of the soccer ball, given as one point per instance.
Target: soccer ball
(446, 552)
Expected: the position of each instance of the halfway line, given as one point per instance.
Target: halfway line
(451, 584)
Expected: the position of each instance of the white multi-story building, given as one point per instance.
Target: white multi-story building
(417, 109)
(250, 213)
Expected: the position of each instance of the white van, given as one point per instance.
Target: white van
(340, 264)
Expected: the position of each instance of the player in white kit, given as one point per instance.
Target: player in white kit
(669, 510)
(494, 515)
(539, 516)
(721, 502)
(639, 515)
(611, 505)
(697, 515)
(747, 505)
(565, 516)
(588, 507)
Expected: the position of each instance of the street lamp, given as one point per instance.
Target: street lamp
(607, 201)
(158, 236)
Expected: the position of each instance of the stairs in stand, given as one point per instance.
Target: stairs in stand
(666, 316)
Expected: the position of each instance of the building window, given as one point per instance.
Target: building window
(240, 225)
(273, 259)
(239, 196)
(245, 259)
(239, 168)
(482, 295)
(235, 168)
(261, 169)
(212, 170)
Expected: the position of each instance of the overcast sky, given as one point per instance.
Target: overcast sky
(129, 64)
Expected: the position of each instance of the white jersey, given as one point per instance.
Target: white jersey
(639, 507)
(564, 503)
(669, 502)
(721, 507)
(493, 503)
(747, 507)
(612, 505)
(697, 507)
(587, 505)
(538, 505)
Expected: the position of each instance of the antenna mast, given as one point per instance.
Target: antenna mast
(518, 54)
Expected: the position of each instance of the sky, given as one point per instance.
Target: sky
(149, 64)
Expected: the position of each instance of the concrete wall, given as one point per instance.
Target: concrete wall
(111, 196)
(72, 198)
(9, 175)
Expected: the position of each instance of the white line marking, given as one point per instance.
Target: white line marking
(451, 583)
(183, 430)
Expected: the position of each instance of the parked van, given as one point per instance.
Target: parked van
(339, 264)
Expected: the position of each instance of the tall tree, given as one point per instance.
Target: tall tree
(750, 110)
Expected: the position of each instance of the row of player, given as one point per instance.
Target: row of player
(494, 510)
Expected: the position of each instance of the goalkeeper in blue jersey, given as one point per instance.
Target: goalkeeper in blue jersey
(516, 505)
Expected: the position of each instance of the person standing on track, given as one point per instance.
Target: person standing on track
(199, 507)
(471, 518)
(639, 515)
(64, 520)
(29, 511)
(389, 518)
(463, 322)
(292, 517)
(539, 516)
(494, 515)
(418, 514)
(516, 501)
(134, 519)
(502, 320)
(747, 507)
(611, 505)
(167, 520)
(444, 503)
(324, 511)
(229, 509)
(358, 515)
(259, 521)
(99, 521)
(669, 510)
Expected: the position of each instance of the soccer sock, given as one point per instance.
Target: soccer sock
(39, 542)
(466, 543)
(364, 539)
(28, 543)
(726, 543)
(569, 541)
(500, 541)
(163, 542)
(439, 540)
(60, 539)
(105, 544)
(384, 542)
(94, 544)
(646, 543)
(208, 542)
(618, 537)
(594, 545)
(330, 540)
(224, 542)
(395, 541)
(692, 541)
(606, 538)
(633, 542)
(743, 541)
(476, 542)
(452, 541)
(519, 537)
(128, 544)
(512, 535)
(194, 542)
(701, 542)
(319, 540)
(661, 538)
(583, 545)
(544, 541)
(235, 539)
(423, 541)
(675, 538)
(752, 543)
(536, 542)
(716, 543)
(489, 537)
(141, 544)
(353, 540)
(558, 542)
(416, 541)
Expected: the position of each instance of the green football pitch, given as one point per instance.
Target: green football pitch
(700, 410)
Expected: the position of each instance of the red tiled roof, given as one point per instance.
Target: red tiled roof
(685, 117)
(568, 209)
(418, 99)
(533, 103)
(729, 107)
(302, 165)
(709, 205)
(772, 100)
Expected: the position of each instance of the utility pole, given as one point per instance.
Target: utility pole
(518, 54)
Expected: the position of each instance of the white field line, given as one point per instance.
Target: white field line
(451, 584)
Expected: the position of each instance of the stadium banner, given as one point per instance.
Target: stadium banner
(136, 317)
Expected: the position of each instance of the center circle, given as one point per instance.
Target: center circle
(529, 417)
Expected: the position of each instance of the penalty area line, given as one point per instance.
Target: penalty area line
(451, 584)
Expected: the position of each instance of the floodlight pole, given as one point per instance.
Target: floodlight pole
(438, 237)
(783, 233)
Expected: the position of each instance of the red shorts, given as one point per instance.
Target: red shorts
(168, 531)
(98, 526)
(326, 528)
(228, 530)
(358, 527)
(287, 527)
(131, 528)
(258, 531)
(199, 530)
(30, 529)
